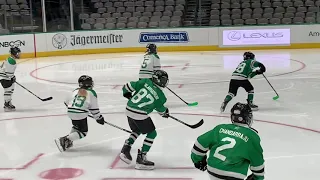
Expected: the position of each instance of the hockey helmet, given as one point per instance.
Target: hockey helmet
(15, 52)
(151, 48)
(85, 82)
(248, 55)
(241, 113)
(160, 78)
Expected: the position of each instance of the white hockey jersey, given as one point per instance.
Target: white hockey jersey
(7, 68)
(151, 62)
(81, 103)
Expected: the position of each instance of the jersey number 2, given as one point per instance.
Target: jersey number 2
(140, 95)
(224, 147)
(240, 67)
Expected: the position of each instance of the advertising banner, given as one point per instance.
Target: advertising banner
(256, 37)
(164, 37)
(24, 42)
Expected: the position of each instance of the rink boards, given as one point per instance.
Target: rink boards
(171, 39)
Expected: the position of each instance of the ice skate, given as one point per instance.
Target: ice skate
(63, 143)
(142, 162)
(125, 155)
(8, 107)
(253, 106)
(223, 107)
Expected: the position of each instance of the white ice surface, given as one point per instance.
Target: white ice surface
(289, 128)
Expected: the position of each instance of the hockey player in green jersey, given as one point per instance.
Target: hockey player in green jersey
(247, 69)
(7, 77)
(232, 148)
(151, 62)
(144, 96)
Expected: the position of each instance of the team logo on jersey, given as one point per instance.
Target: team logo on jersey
(164, 37)
(59, 41)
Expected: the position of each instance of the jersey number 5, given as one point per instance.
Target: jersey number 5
(224, 147)
(240, 67)
(140, 95)
(145, 63)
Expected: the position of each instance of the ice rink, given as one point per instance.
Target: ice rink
(289, 127)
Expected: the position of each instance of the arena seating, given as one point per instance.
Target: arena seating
(252, 12)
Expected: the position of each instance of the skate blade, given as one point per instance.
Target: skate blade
(57, 141)
(9, 110)
(254, 109)
(124, 158)
(143, 167)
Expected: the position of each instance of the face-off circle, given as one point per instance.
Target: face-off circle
(61, 173)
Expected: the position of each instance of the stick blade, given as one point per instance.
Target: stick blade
(275, 98)
(197, 125)
(193, 104)
(47, 99)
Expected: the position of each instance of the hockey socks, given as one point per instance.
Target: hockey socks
(250, 96)
(148, 141)
(75, 135)
(132, 138)
(228, 97)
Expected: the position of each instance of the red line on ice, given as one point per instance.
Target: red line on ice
(27, 165)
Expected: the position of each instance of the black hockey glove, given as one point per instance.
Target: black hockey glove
(127, 95)
(202, 165)
(13, 79)
(100, 120)
(262, 69)
(166, 113)
(251, 177)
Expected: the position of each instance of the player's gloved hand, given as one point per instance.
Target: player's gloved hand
(100, 120)
(13, 79)
(127, 95)
(166, 113)
(202, 165)
(251, 177)
(259, 72)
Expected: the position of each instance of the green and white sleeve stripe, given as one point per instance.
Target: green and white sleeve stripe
(198, 149)
(257, 170)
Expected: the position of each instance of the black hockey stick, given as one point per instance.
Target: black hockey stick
(46, 99)
(277, 95)
(110, 124)
(191, 126)
(189, 104)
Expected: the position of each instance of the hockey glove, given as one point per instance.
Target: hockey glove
(166, 113)
(13, 79)
(127, 95)
(100, 120)
(251, 177)
(202, 165)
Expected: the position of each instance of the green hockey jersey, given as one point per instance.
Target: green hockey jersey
(146, 98)
(233, 148)
(245, 70)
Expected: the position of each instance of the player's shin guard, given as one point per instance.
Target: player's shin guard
(148, 141)
(125, 155)
(226, 101)
(250, 101)
(7, 99)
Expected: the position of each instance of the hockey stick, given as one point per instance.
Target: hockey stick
(46, 99)
(191, 126)
(110, 124)
(189, 104)
(277, 95)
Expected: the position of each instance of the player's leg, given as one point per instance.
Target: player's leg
(78, 131)
(233, 89)
(250, 90)
(8, 87)
(146, 127)
(125, 151)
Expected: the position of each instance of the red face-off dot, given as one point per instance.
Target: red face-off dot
(61, 173)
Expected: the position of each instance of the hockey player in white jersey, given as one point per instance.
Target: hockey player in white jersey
(7, 77)
(151, 62)
(82, 102)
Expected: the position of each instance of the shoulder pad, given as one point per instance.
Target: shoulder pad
(93, 92)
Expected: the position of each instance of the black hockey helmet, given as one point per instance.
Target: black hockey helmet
(241, 113)
(15, 52)
(160, 78)
(151, 48)
(85, 82)
(248, 55)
